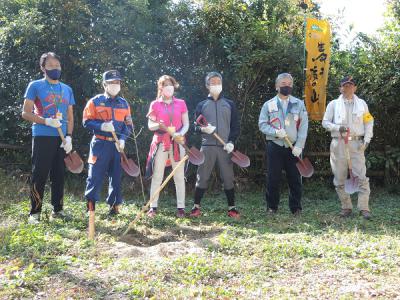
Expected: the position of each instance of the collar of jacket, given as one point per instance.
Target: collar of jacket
(116, 99)
(291, 99)
(209, 97)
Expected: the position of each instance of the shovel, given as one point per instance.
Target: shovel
(304, 165)
(195, 156)
(127, 164)
(351, 183)
(158, 191)
(238, 158)
(91, 227)
(73, 161)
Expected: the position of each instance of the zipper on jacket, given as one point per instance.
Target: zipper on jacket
(216, 121)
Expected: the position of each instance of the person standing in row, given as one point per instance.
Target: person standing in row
(348, 118)
(49, 106)
(223, 118)
(280, 117)
(104, 114)
(166, 149)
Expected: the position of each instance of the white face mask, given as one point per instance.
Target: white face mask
(168, 91)
(215, 89)
(113, 89)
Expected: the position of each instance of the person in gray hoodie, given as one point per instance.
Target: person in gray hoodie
(222, 118)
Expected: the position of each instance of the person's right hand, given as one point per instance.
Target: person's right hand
(107, 127)
(280, 133)
(179, 138)
(343, 129)
(52, 122)
(209, 129)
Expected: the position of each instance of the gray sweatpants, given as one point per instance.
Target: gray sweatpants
(340, 170)
(214, 154)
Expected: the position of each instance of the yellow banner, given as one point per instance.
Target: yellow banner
(318, 51)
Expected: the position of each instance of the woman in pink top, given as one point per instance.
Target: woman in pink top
(164, 149)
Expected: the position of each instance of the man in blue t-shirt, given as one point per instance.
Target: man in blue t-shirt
(48, 105)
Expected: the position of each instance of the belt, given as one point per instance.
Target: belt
(282, 146)
(104, 138)
(352, 138)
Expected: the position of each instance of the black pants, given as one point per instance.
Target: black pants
(280, 158)
(47, 157)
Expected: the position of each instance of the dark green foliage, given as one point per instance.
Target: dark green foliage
(250, 42)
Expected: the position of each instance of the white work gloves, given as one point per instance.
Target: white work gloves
(107, 127)
(364, 146)
(229, 147)
(55, 123)
(296, 151)
(178, 137)
(209, 129)
(68, 144)
(121, 144)
(280, 133)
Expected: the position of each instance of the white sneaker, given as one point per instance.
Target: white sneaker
(34, 219)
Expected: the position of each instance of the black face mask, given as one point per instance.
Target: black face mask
(53, 74)
(285, 90)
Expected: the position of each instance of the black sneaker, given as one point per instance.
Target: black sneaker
(114, 210)
(61, 215)
(297, 213)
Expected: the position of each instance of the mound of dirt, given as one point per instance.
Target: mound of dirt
(170, 243)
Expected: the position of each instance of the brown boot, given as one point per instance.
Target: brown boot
(365, 214)
(345, 213)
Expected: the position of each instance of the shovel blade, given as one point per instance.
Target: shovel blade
(74, 162)
(240, 159)
(129, 166)
(305, 167)
(195, 156)
(351, 185)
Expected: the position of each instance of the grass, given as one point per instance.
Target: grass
(316, 256)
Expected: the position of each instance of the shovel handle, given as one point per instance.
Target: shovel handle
(169, 131)
(201, 120)
(116, 140)
(61, 134)
(219, 138)
(158, 191)
(91, 229)
(118, 147)
(348, 157)
(288, 142)
(346, 149)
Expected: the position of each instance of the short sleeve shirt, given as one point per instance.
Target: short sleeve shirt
(50, 101)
